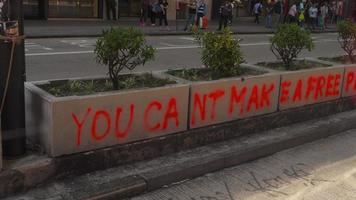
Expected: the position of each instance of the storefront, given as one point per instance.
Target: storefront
(43, 9)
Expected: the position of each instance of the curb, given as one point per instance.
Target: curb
(247, 149)
(131, 180)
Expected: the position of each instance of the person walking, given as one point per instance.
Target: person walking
(313, 15)
(192, 11)
(201, 11)
(155, 12)
(323, 13)
(292, 14)
(277, 9)
(163, 13)
(145, 10)
(110, 9)
(225, 10)
(257, 10)
(269, 14)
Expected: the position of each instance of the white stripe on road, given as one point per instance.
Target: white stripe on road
(159, 48)
(59, 53)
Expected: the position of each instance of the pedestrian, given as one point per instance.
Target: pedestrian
(231, 15)
(145, 9)
(323, 13)
(339, 10)
(201, 12)
(155, 11)
(306, 15)
(269, 14)
(292, 14)
(225, 10)
(192, 11)
(313, 15)
(2, 10)
(301, 15)
(277, 8)
(163, 13)
(333, 12)
(257, 10)
(110, 9)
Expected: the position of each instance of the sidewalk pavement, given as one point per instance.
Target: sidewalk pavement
(94, 28)
(138, 178)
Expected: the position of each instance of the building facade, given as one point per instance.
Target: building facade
(95, 9)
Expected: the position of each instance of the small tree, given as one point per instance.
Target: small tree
(289, 41)
(347, 38)
(121, 48)
(221, 53)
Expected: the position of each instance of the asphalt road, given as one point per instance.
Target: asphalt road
(60, 58)
(323, 170)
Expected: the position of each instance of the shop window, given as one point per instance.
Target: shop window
(73, 8)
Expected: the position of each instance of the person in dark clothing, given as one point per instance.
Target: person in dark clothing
(111, 9)
(277, 8)
(3, 10)
(145, 10)
(155, 12)
(225, 11)
(163, 13)
(192, 11)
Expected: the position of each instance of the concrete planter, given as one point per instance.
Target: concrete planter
(219, 101)
(228, 99)
(67, 125)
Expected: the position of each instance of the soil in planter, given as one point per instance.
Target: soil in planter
(337, 59)
(205, 74)
(87, 87)
(296, 65)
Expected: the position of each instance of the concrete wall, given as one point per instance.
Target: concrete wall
(78, 124)
(225, 100)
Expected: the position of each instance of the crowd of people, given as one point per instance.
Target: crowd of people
(154, 9)
(306, 14)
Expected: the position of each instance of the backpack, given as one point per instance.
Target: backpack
(156, 8)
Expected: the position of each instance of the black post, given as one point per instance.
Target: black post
(13, 114)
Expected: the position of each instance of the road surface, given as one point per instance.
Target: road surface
(59, 58)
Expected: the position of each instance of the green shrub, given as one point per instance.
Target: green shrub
(121, 48)
(220, 53)
(289, 41)
(347, 38)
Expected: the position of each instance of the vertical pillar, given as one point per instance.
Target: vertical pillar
(13, 115)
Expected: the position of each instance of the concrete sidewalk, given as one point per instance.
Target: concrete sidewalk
(93, 28)
(138, 178)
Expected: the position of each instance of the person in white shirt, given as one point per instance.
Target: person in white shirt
(292, 14)
(313, 15)
(257, 10)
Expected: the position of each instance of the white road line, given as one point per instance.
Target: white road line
(158, 48)
(59, 53)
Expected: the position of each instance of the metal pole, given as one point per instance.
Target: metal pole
(13, 115)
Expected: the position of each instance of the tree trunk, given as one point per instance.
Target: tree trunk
(115, 83)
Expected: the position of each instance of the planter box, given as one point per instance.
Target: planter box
(213, 102)
(304, 87)
(67, 125)
(349, 81)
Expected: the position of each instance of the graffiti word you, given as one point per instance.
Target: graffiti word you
(113, 122)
